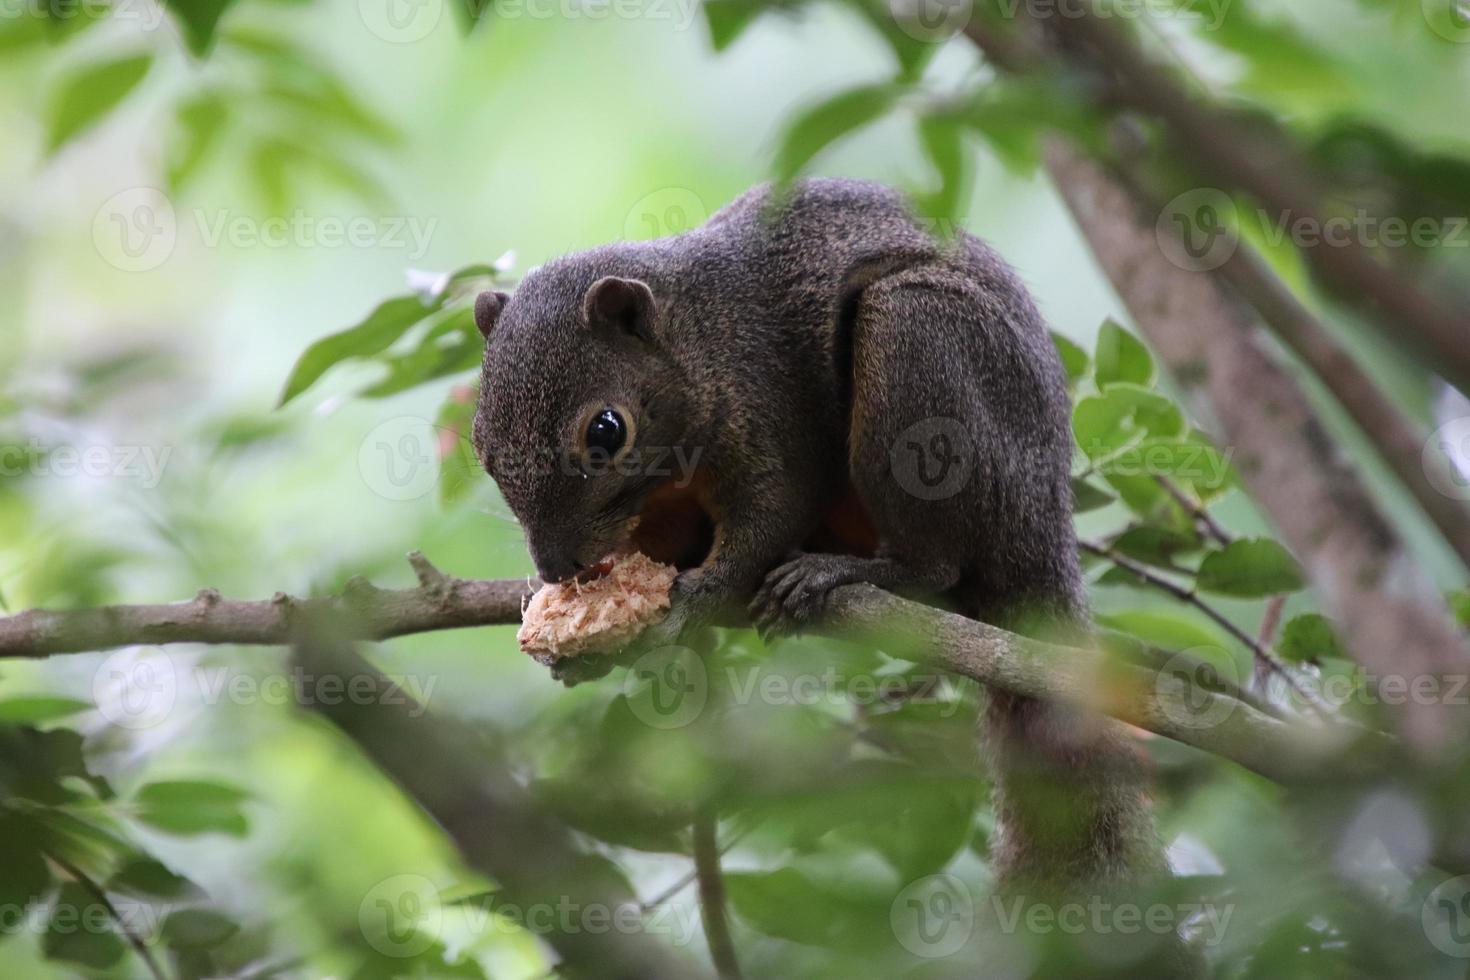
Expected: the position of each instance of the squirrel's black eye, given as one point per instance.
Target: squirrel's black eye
(607, 431)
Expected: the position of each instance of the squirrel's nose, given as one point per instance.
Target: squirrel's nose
(558, 571)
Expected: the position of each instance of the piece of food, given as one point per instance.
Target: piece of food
(597, 616)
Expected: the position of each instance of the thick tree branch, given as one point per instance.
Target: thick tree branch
(1272, 171)
(1393, 619)
(1161, 703)
(466, 787)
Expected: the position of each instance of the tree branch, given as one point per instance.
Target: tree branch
(1274, 172)
(1394, 621)
(712, 893)
(1263, 657)
(439, 603)
(467, 788)
(1165, 705)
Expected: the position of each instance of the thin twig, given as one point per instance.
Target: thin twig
(1197, 511)
(1261, 654)
(1266, 635)
(712, 909)
(686, 880)
(97, 892)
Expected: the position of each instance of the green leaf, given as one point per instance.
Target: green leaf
(189, 807)
(728, 19)
(80, 930)
(1309, 638)
(1074, 359)
(1250, 569)
(33, 710)
(1459, 602)
(23, 873)
(84, 98)
(1121, 357)
(942, 138)
(452, 346)
(375, 334)
(199, 18)
(147, 876)
(787, 904)
(1086, 497)
(200, 124)
(1121, 416)
(1155, 545)
(197, 929)
(1193, 464)
(1170, 629)
(820, 125)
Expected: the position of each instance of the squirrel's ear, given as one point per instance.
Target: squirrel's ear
(624, 305)
(487, 310)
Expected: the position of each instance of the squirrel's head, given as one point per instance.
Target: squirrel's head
(583, 414)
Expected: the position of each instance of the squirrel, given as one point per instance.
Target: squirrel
(867, 402)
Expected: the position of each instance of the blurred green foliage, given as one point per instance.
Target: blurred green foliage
(174, 799)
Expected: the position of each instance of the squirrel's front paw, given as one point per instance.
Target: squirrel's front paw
(794, 594)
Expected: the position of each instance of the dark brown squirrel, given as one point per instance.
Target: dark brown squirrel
(867, 403)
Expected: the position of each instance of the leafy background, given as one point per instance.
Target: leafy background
(246, 839)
